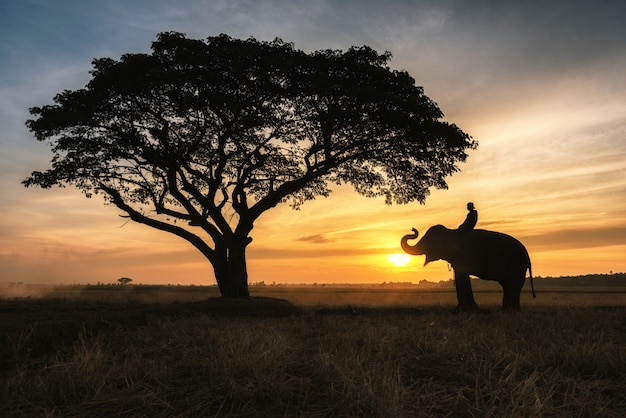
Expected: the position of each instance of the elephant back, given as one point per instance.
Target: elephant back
(491, 251)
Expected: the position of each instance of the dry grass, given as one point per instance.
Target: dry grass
(82, 359)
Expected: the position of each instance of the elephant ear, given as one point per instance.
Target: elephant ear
(449, 245)
(454, 243)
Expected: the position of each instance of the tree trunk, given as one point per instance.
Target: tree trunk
(231, 272)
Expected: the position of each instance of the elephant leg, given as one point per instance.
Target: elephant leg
(511, 295)
(464, 294)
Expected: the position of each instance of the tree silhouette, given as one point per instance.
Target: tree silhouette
(124, 280)
(200, 137)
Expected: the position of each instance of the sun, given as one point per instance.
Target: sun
(399, 259)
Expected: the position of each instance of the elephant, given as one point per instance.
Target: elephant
(485, 254)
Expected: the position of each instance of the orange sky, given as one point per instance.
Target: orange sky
(545, 100)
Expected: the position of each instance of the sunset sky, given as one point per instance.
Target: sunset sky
(540, 85)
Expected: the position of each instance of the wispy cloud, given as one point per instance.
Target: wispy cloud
(316, 239)
(576, 238)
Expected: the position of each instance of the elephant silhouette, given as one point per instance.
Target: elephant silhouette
(485, 254)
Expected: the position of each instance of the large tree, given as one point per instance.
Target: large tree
(200, 137)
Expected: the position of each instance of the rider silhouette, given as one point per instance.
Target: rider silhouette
(470, 220)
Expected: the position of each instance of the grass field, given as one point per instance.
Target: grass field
(148, 351)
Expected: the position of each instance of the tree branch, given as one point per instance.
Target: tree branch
(137, 216)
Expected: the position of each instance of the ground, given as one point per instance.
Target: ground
(310, 351)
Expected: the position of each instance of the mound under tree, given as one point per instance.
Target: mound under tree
(200, 137)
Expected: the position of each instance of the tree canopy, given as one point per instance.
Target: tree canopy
(200, 137)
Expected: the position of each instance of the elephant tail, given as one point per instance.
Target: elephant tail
(530, 273)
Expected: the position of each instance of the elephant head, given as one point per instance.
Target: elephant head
(437, 244)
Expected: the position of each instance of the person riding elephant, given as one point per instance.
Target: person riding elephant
(470, 220)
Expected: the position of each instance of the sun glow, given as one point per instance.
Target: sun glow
(399, 259)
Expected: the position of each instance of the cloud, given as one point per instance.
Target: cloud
(316, 239)
(497, 223)
(576, 238)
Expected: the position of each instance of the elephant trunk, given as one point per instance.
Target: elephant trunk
(411, 249)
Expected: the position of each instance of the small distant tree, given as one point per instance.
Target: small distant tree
(124, 280)
(200, 137)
